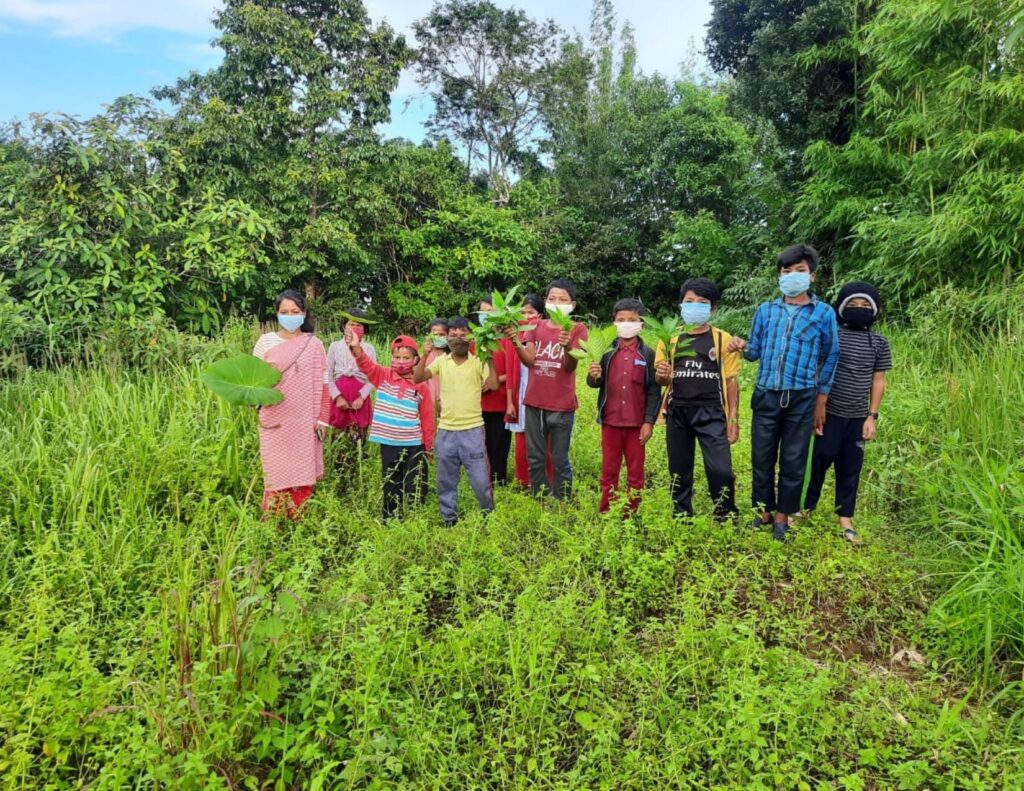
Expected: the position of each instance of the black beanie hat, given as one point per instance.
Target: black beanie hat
(853, 291)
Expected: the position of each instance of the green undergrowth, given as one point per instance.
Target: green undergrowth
(157, 633)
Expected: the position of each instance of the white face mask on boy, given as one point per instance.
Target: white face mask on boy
(558, 307)
(628, 329)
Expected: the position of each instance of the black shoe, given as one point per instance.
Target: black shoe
(450, 522)
(779, 531)
(759, 524)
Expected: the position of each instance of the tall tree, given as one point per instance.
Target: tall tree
(657, 181)
(485, 67)
(301, 81)
(795, 63)
(928, 193)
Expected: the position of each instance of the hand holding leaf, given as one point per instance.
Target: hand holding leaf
(595, 346)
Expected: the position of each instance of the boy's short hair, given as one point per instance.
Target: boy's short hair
(488, 298)
(458, 323)
(566, 285)
(702, 287)
(796, 253)
(629, 303)
(438, 321)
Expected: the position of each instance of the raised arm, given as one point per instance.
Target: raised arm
(420, 372)
(373, 373)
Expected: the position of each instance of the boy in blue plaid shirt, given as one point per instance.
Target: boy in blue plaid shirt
(796, 339)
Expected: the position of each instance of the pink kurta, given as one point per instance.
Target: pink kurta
(290, 449)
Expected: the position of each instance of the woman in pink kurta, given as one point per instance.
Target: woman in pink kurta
(291, 432)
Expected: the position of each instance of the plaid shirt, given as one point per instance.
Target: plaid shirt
(797, 351)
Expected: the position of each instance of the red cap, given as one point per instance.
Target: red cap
(404, 341)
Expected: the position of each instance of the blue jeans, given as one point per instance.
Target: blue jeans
(454, 450)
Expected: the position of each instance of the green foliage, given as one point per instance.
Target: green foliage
(156, 631)
(561, 320)
(504, 313)
(598, 341)
(91, 230)
(283, 122)
(671, 335)
(795, 63)
(658, 183)
(468, 241)
(928, 193)
(243, 380)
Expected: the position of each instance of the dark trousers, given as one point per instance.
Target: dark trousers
(549, 433)
(620, 444)
(405, 477)
(684, 427)
(842, 444)
(498, 440)
(780, 434)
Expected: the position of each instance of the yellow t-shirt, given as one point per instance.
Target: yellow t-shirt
(460, 391)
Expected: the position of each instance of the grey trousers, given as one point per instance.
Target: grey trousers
(543, 427)
(454, 450)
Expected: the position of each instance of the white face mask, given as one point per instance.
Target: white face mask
(558, 307)
(628, 329)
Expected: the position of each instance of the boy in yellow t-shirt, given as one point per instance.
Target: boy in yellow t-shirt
(460, 435)
(702, 400)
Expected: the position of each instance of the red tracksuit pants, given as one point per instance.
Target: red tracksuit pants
(617, 444)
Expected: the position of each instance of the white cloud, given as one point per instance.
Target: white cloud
(106, 19)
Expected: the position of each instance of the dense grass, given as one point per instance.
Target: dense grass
(157, 633)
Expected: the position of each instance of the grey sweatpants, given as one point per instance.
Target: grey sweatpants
(544, 430)
(454, 450)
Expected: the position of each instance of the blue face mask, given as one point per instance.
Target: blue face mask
(440, 342)
(695, 313)
(290, 323)
(481, 317)
(793, 284)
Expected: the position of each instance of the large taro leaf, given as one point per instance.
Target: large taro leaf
(243, 380)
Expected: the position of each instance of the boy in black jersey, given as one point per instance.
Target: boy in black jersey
(702, 402)
(853, 404)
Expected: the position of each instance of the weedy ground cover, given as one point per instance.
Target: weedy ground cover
(157, 633)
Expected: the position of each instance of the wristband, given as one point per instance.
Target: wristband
(873, 415)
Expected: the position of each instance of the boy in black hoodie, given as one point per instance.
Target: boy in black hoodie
(852, 411)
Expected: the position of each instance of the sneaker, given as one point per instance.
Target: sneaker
(779, 531)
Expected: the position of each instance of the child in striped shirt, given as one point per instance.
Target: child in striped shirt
(403, 422)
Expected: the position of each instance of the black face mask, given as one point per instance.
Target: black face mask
(859, 318)
(459, 346)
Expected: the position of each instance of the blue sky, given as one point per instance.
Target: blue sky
(73, 56)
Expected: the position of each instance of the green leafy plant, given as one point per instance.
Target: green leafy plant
(561, 320)
(359, 320)
(666, 332)
(504, 313)
(596, 344)
(243, 380)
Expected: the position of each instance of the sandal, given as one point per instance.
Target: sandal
(851, 535)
